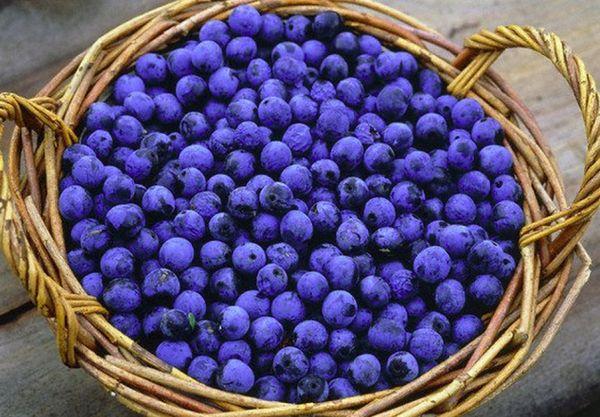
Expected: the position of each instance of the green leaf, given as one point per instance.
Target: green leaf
(192, 320)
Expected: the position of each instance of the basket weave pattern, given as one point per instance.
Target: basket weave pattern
(553, 269)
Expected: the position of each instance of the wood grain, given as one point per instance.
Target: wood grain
(565, 380)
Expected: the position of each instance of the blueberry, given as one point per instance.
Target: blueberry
(117, 262)
(93, 285)
(352, 236)
(341, 388)
(450, 297)
(125, 85)
(312, 388)
(339, 308)
(271, 280)
(402, 367)
(365, 370)
(426, 344)
(75, 203)
(310, 336)
(203, 369)
(207, 339)
(194, 278)
(176, 324)
(288, 308)
(290, 364)
(272, 29)
(460, 208)
(122, 296)
(487, 131)
(269, 388)
(234, 322)
(407, 197)
(395, 312)
(486, 291)
(485, 257)
(225, 284)
(343, 344)
(235, 376)
(276, 197)
(436, 321)
(100, 116)
(507, 218)
(392, 103)
(466, 112)
(386, 335)
(283, 255)
(456, 240)
(466, 328)
(240, 51)
(334, 68)
(95, 239)
(431, 130)
(266, 333)
(161, 285)
(374, 292)
(312, 287)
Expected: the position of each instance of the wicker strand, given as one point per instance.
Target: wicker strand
(488, 46)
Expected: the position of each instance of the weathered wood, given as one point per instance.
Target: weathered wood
(35, 383)
(566, 379)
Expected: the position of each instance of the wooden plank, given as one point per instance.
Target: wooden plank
(35, 383)
(566, 379)
(12, 294)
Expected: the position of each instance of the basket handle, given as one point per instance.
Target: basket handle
(28, 246)
(481, 51)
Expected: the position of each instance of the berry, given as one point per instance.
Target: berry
(310, 336)
(269, 388)
(248, 258)
(290, 365)
(266, 333)
(288, 308)
(432, 264)
(207, 339)
(255, 304)
(235, 376)
(339, 308)
(386, 335)
(426, 344)
(466, 112)
(175, 353)
(203, 369)
(161, 285)
(343, 344)
(374, 292)
(365, 370)
(283, 255)
(75, 203)
(312, 287)
(176, 324)
(271, 280)
(341, 388)
(341, 272)
(466, 328)
(122, 296)
(486, 291)
(402, 367)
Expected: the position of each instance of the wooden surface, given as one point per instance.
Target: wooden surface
(38, 36)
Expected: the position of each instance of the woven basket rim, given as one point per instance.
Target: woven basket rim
(534, 304)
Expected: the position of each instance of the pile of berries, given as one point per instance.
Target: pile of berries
(285, 209)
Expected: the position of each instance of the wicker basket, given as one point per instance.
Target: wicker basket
(553, 269)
